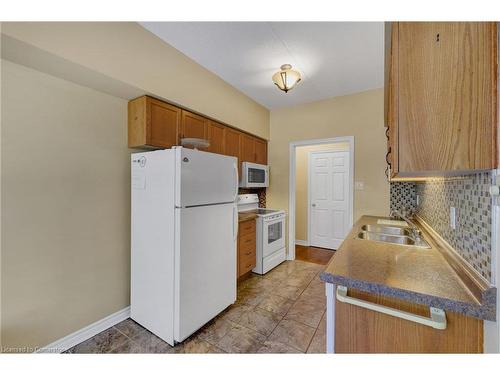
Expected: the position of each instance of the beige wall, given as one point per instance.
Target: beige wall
(360, 115)
(65, 170)
(131, 55)
(66, 207)
(302, 182)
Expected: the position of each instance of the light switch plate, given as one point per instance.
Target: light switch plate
(359, 185)
(495, 190)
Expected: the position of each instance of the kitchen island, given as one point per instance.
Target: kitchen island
(413, 282)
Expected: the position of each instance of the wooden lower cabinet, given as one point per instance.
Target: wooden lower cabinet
(359, 330)
(247, 250)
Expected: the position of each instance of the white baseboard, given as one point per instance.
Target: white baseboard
(86, 333)
(301, 243)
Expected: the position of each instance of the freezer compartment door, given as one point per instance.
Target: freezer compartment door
(206, 178)
(205, 265)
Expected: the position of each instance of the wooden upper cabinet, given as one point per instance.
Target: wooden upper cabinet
(193, 126)
(232, 144)
(442, 98)
(253, 149)
(152, 123)
(247, 148)
(391, 98)
(215, 135)
(260, 151)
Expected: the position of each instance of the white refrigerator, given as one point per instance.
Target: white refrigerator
(184, 230)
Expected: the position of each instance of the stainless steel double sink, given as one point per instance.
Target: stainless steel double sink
(390, 234)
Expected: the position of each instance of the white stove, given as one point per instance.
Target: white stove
(271, 249)
(265, 211)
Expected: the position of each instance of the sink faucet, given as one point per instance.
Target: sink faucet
(415, 232)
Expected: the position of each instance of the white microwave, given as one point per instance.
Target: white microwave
(254, 175)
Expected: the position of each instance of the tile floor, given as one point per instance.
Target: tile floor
(280, 312)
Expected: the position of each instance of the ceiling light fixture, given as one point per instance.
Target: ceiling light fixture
(287, 78)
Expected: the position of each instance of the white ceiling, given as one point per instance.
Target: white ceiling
(334, 58)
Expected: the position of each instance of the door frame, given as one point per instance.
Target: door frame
(292, 188)
(308, 241)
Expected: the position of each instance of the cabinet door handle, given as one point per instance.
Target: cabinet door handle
(436, 321)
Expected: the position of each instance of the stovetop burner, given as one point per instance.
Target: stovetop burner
(264, 211)
(249, 203)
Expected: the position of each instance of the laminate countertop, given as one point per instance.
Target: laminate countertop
(245, 216)
(417, 275)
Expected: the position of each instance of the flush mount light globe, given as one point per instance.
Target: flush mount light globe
(287, 78)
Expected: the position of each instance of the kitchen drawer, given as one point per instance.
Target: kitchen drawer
(247, 227)
(247, 262)
(247, 242)
(247, 253)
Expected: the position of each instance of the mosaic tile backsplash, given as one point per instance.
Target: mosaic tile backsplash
(403, 196)
(470, 196)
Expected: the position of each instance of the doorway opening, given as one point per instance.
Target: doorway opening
(321, 195)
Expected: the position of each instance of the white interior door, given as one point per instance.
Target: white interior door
(329, 192)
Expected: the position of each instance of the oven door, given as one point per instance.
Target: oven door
(273, 236)
(254, 175)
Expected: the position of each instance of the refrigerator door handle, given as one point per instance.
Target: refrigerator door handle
(236, 186)
(235, 224)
